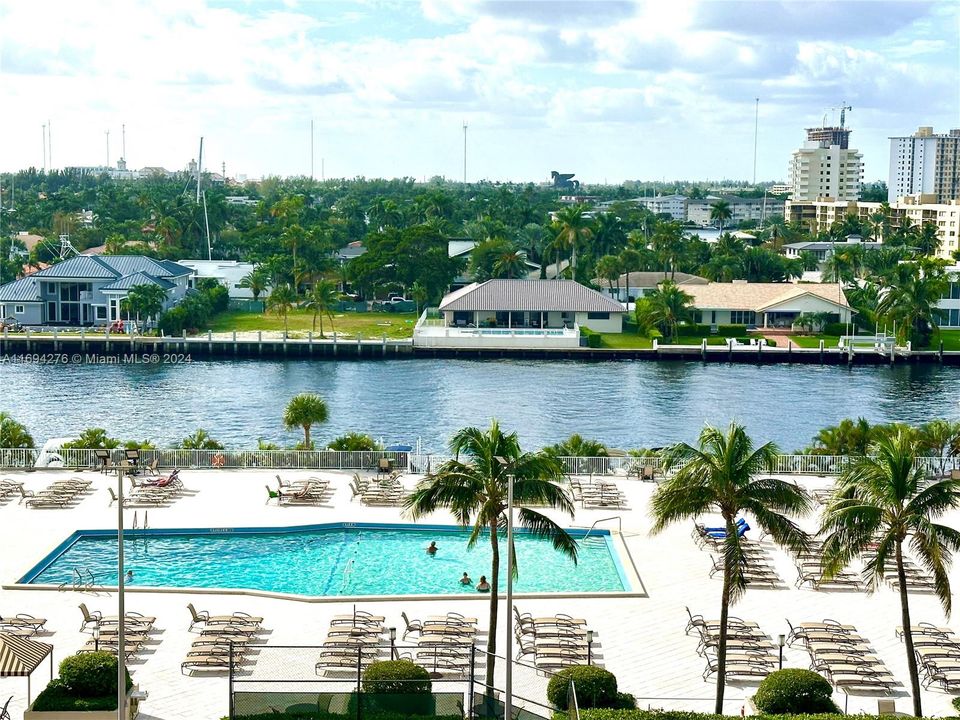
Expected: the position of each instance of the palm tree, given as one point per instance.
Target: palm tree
(720, 211)
(669, 306)
(420, 294)
(577, 446)
(512, 264)
(14, 434)
(256, 281)
(145, 299)
(720, 475)
(304, 411)
(281, 301)
(475, 491)
(609, 268)
(911, 298)
(880, 502)
(322, 299)
(573, 229)
(200, 440)
(928, 241)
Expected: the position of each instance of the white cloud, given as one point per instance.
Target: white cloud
(393, 72)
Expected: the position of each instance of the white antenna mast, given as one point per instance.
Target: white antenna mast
(50, 142)
(44, 148)
(464, 152)
(199, 169)
(108, 147)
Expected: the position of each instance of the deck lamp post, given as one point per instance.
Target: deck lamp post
(508, 685)
(121, 629)
(96, 638)
(393, 640)
(589, 647)
(783, 640)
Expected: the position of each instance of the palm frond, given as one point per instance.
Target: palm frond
(543, 527)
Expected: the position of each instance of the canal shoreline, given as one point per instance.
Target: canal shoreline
(74, 348)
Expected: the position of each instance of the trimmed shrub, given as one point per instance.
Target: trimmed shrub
(396, 676)
(596, 687)
(835, 328)
(794, 691)
(593, 338)
(57, 697)
(731, 330)
(956, 703)
(91, 674)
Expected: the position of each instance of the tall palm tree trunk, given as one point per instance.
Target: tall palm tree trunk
(306, 436)
(494, 604)
(724, 614)
(907, 635)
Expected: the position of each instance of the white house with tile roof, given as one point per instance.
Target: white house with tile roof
(768, 305)
(519, 314)
(88, 289)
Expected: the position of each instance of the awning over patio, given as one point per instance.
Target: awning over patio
(19, 657)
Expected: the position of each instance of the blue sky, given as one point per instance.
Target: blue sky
(609, 89)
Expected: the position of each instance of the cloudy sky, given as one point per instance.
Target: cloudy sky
(609, 89)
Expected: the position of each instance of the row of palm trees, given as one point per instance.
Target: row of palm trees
(881, 503)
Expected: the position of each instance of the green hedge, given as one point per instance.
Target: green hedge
(794, 690)
(593, 338)
(834, 328)
(596, 688)
(396, 676)
(731, 330)
(367, 715)
(87, 682)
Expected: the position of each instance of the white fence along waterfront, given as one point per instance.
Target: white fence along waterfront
(627, 466)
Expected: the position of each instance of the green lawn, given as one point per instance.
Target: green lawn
(813, 341)
(366, 325)
(625, 341)
(951, 340)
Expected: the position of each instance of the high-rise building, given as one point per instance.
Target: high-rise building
(925, 163)
(826, 167)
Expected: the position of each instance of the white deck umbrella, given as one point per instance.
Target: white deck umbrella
(19, 657)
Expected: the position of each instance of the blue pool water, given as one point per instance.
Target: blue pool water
(330, 560)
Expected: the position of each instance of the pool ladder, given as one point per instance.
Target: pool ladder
(351, 564)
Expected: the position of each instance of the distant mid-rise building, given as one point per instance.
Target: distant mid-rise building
(925, 163)
(918, 210)
(673, 205)
(741, 208)
(826, 167)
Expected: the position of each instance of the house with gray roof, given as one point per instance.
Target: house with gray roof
(518, 314)
(88, 290)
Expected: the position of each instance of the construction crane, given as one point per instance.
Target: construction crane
(843, 112)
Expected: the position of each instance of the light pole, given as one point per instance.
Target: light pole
(508, 689)
(783, 639)
(589, 647)
(121, 638)
(393, 640)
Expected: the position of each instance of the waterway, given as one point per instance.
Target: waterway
(624, 404)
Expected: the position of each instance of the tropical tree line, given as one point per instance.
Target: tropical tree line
(938, 438)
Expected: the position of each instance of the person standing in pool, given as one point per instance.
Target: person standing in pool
(483, 585)
(432, 549)
(465, 580)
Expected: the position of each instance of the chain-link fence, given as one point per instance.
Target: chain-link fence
(328, 682)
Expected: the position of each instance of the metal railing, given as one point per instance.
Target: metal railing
(631, 467)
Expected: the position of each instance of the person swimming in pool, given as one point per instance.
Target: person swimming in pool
(129, 577)
(465, 580)
(483, 585)
(432, 549)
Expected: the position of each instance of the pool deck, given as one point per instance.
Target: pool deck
(640, 639)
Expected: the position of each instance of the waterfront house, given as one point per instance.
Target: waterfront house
(229, 273)
(518, 314)
(88, 289)
(767, 305)
(950, 303)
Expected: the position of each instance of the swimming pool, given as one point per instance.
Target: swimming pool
(341, 559)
